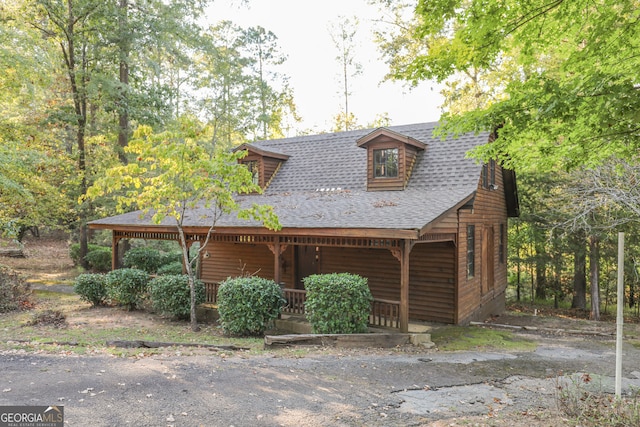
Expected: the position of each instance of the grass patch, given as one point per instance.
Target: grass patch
(466, 338)
(88, 330)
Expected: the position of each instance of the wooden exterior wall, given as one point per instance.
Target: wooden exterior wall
(484, 293)
(431, 287)
(432, 290)
(269, 168)
(232, 260)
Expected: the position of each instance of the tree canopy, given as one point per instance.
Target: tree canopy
(571, 92)
(174, 171)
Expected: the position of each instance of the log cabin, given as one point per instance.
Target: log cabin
(411, 212)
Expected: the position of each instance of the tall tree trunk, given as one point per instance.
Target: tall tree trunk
(579, 276)
(123, 110)
(594, 271)
(78, 91)
(541, 273)
(191, 277)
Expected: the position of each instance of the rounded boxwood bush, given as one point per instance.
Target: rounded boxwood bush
(147, 259)
(248, 305)
(170, 257)
(171, 268)
(99, 259)
(91, 288)
(337, 303)
(74, 251)
(127, 287)
(170, 294)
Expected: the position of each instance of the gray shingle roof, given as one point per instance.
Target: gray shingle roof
(323, 184)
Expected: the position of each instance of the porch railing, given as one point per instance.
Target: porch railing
(211, 292)
(295, 301)
(384, 313)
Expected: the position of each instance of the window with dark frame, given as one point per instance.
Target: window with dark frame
(489, 174)
(385, 163)
(501, 245)
(252, 165)
(485, 176)
(492, 173)
(471, 250)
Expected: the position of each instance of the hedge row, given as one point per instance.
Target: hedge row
(147, 259)
(335, 303)
(130, 288)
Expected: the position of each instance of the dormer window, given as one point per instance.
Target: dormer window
(262, 164)
(390, 159)
(385, 163)
(254, 168)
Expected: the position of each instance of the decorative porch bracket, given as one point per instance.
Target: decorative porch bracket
(277, 250)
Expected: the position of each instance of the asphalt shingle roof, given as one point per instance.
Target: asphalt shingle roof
(323, 184)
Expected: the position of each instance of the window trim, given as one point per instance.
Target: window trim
(471, 250)
(255, 170)
(384, 165)
(489, 174)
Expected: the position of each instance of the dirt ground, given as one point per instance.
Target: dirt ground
(322, 387)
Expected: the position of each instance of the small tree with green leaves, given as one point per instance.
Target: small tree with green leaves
(174, 172)
(337, 303)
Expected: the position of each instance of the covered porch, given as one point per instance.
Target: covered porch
(384, 256)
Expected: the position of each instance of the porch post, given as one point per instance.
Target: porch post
(404, 286)
(114, 250)
(276, 259)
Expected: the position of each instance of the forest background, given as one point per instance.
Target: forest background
(557, 79)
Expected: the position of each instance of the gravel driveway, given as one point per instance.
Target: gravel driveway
(349, 388)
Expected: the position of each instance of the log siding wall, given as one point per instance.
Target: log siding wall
(232, 260)
(432, 283)
(489, 211)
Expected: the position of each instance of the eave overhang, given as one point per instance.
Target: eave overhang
(263, 153)
(382, 132)
(374, 233)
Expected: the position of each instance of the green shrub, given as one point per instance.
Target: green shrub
(170, 294)
(171, 268)
(248, 305)
(147, 259)
(74, 251)
(14, 290)
(127, 287)
(91, 288)
(99, 259)
(337, 303)
(170, 258)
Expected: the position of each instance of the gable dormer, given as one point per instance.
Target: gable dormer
(390, 159)
(262, 164)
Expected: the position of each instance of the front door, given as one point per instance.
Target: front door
(307, 258)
